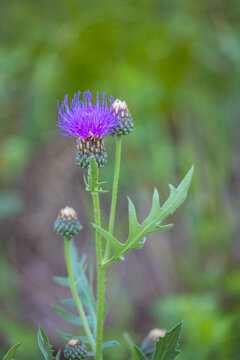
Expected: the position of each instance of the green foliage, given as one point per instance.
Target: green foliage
(11, 352)
(166, 347)
(206, 329)
(87, 298)
(137, 232)
(139, 353)
(45, 346)
(84, 289)
(13, 331)
(73, 319)
(110, 344)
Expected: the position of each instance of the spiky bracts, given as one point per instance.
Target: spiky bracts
(75, 350)
(125, 123)
(67, 223)
(91, 146)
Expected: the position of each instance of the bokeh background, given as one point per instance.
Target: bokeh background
(177, 64)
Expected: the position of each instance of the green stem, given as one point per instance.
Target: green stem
(75, 293)
(100, 279)
(114, 192)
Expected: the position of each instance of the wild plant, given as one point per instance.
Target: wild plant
(90, 123)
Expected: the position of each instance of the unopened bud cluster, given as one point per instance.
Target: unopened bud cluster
(125, 123)
(75, 350)
(67, 223)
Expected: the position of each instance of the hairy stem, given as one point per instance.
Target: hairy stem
(114, 192)
(75, 293)
(100, 279)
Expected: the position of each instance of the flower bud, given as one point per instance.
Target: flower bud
(91, 146)
(75, 350)
(125, 123)
(155, 334)
(148, 344)
(67, 223)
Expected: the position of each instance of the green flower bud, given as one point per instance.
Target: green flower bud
(91, 146)
(125, 123)
(75, 350)
(67, 223)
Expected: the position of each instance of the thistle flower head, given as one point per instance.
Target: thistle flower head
(83, 119)
(125, 123)
(67, 223)
(75, 350)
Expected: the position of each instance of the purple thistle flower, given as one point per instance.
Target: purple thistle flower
(82, 119)
(89, 123)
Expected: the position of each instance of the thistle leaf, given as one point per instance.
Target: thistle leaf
(73, 319)
(68, 302)
(140, 354)
(166, 347)
(137, 231)
(11, 352)
(117, 245)
(44, 345)
(72, 303)
(83, 287)
(61, 280)
(109, 344)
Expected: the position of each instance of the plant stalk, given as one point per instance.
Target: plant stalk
(75, 294)
(100, 279)
(114, 192)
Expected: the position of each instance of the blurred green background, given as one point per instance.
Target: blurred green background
(177, 65)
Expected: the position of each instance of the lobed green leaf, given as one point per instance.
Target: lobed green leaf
(138, 232)
(166, 347)
(44, 345)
